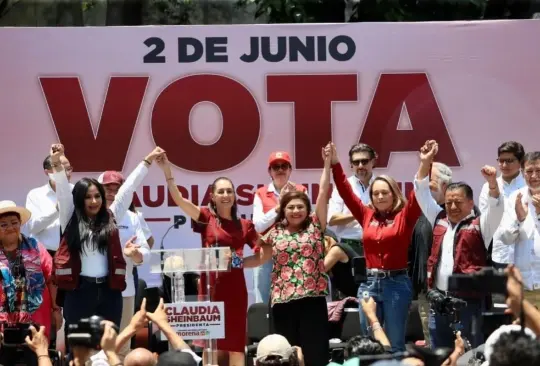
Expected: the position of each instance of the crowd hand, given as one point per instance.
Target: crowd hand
(39, 343)
(130, 249)
(331, 152)
(80, 356)
(514, 286)
(299, 355)
(140, 320)
(157, 152)
(57, 150)
(369, 307)
(490, 175)
(522, 210)
(108, 340)
(429, 151)
(159, 317)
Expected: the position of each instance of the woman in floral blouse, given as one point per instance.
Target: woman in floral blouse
(299, 283)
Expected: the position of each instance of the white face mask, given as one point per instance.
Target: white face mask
(51, 177)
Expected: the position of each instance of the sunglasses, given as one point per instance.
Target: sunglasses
(276, 167)
(360, 161)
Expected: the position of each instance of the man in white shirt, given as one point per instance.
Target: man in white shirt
(44, 225)
(136, 251)
(265, 211)
(518, 227)
(362, 159)
(460, 241)
(510, 156)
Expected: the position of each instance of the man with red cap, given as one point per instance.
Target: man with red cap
(134, 231)
(265, 210)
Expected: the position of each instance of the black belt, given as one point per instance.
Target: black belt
(381, 273)
(96, 280)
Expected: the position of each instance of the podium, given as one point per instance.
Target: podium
(194, 317)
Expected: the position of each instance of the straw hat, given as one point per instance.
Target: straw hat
(10, 206)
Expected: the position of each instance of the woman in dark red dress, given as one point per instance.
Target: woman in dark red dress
(222, 227)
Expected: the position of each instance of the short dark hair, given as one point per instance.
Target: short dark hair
(464, 186)
(360, 147)
(363, 346)
(530, 156)
(512, 147)
(6, 214)
(47, 163)
(515, 348)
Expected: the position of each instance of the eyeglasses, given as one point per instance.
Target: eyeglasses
(507, 161)
(7, 225)
(360, 161)
(276, 167)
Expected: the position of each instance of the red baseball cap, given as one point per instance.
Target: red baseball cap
(279, 156)
(111, 177)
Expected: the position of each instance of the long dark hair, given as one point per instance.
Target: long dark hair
(234, 209)
(288, 197)
(80, 226)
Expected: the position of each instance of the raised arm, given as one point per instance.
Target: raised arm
(63, 189)
(492, 216)
(123, 199)
(343, 186)
(425, 200)
(185, 205)
(321, 206)
(40, 219)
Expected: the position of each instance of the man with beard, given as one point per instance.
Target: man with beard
(265, 210)
(362, 159)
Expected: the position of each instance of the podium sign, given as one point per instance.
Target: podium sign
(197, 320)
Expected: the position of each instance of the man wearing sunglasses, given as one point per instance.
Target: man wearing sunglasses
(265, 210)
(362, 159)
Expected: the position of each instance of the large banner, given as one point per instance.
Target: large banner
(220, 99)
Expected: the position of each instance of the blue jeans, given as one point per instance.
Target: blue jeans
(440, 330)
(261, 282)
(393, 296)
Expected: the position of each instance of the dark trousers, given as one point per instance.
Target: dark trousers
(92, 299)
(304, 323)
(136, 281)
(441, 332)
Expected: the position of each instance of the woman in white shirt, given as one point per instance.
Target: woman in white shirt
(89, 265)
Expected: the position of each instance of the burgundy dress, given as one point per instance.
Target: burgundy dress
(229, 287)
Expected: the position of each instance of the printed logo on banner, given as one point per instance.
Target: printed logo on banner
(197, 320)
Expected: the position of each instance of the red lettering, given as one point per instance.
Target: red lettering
(312, 96)
(108, 146)
(241, 122)
(380, 130)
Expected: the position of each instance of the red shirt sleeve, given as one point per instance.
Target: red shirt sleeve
(345, 191)
(412, 210)
(252, 236)
(202, 221)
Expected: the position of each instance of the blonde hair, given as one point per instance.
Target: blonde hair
(399, 199)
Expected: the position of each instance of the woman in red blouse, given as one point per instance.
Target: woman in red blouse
(299, 283)
(388, 223)
(222, 227)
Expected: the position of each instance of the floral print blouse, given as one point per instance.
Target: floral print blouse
(298, 258)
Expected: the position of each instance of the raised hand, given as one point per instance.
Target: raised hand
(490, 175)
(536, 202)
(131, 248)
(521, 210)
(429, 151)
(331, 152)
(158, 151)
(57, 150)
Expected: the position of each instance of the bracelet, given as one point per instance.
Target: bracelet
(168, 179)
(147, 162)
(42, 356)
(237, 261)
(374, 329)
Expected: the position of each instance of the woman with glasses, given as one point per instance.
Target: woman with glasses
(265, 210)
(387, 223)
(26, 292)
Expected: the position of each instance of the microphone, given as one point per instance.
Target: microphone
(178, 220)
